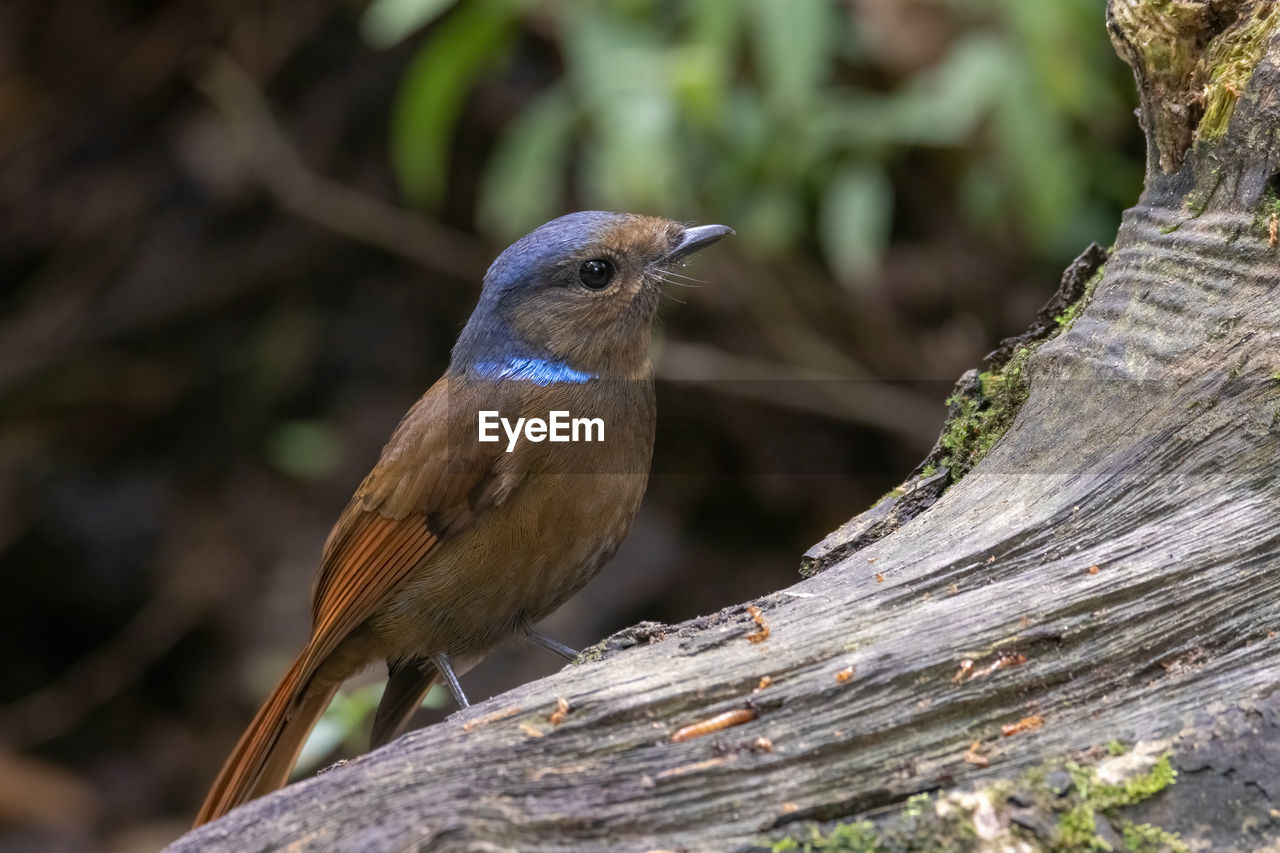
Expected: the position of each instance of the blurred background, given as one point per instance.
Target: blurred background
(237, 240)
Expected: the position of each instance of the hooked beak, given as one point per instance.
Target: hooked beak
(695, 239)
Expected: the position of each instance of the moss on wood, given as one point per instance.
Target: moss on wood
(1059, 807)
(1193, 60)
(1228, 63)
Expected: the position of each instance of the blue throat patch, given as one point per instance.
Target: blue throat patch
(539, 371)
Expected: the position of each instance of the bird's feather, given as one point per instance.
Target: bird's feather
(432, 481)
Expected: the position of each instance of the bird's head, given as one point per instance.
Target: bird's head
(580, 291)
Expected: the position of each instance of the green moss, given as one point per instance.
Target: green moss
(918, 826)
(1081, 803)
(916, 805)
(977, 421)
(1268, 209)
(1116, 747)
(960, 440)
(1077, 827)
(1198, 199)
(1269, 205)
(1078, 830)
(859, 837)
(892, 493)
(1170, 51)
(1227, 65)
(1163, 41)
(1105, 797)
(1067, 317)
(1145, 838)
(980, 421)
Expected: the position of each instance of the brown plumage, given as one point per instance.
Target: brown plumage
(452, 545)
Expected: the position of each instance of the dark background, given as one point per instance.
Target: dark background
(238, 239)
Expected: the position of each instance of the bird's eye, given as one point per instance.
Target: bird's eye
(596, 273)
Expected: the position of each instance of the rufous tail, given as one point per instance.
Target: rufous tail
(268, 749)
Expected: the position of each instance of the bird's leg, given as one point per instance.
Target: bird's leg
(553, 646)
(441, 660)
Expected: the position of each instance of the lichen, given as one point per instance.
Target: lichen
(1162, 40)
(1192, 62)
(590, 654)
(1228, 62)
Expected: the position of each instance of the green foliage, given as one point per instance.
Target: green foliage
(856, 215)
(775, 115)
(305, 450)
(339, 723)
(524, 173)
(435, 84)
(387, 22)
(346, 722)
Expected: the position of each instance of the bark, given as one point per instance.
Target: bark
(1116, 549)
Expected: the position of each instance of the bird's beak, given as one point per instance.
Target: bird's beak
(695, 239)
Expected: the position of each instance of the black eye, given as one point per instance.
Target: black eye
(596, 273)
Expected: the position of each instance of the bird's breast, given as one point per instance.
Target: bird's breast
(583, 452)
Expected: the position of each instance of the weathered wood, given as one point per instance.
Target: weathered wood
(1123, 536)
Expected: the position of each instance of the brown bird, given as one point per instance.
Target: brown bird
(455, 541)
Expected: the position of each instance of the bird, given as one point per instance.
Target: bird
(456, 543)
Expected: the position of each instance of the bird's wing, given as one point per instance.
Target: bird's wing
(432, 480)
